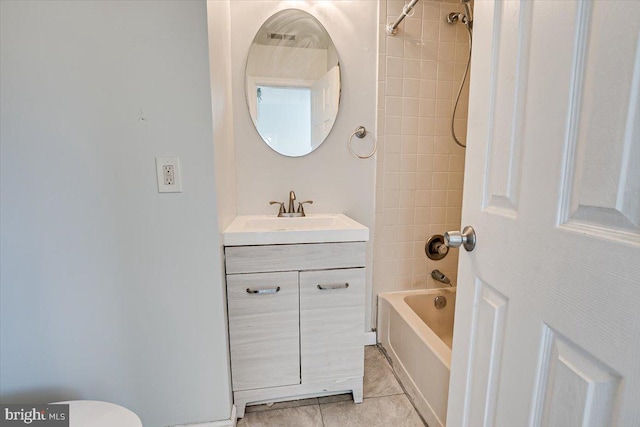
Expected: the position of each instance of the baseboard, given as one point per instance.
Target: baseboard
(370, 338)
(231, 422)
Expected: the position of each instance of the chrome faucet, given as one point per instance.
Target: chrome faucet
(292, 212)
(292, 199)
(440, 277)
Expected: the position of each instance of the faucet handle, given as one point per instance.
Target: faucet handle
(301, 208)
(281, 210)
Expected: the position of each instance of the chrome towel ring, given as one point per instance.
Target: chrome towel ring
(361, 132)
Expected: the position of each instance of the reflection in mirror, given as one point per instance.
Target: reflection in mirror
(293, 82)
(284, 119)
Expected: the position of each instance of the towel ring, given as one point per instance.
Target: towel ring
(361, 132)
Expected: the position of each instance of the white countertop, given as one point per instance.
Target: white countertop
(246, 230)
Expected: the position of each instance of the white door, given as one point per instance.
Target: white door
(325, 97)
(547, 328)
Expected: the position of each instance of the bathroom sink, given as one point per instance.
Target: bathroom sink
(273, 230)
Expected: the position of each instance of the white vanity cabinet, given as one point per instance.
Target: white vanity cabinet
(296, 320)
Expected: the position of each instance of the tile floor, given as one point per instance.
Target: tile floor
(384, 405)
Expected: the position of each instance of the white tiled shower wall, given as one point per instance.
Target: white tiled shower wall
(420, 169)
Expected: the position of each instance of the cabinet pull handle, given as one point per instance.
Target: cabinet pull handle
(337, 286)
(263, 291)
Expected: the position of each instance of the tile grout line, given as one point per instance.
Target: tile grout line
(321, 416)
(382, 397)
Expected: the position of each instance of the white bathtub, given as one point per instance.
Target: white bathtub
(417, 338)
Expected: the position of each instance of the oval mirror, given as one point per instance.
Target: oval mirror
(292, 82)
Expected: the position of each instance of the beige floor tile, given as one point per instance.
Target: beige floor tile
(302, 416)
(372, 352)
(379, 379)
(282, 405)
(385, 404)
(389, 411)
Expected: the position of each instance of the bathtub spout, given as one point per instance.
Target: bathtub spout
(440, 277)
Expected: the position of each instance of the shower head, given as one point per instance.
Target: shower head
(468, 12)
(466, 18)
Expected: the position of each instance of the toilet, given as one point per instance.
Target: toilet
(93, 413)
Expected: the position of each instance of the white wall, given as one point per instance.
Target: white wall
(330, 176)
(219, 27)
(109, 290)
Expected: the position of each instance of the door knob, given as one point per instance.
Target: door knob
(455, 239)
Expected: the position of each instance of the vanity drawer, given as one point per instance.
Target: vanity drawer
(263, 330)
(251, 259)
(332, 324)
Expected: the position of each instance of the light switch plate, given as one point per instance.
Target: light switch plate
(169, 174)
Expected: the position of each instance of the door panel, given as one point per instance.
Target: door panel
(567, 370)
(512, 32)
(552, 190)
(486, 344)
(331, 324)
(263, 329)
(601, 188)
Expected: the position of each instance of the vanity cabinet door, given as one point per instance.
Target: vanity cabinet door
(263, 329)
(332, 324)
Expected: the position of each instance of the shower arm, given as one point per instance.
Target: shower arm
(392, 29)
